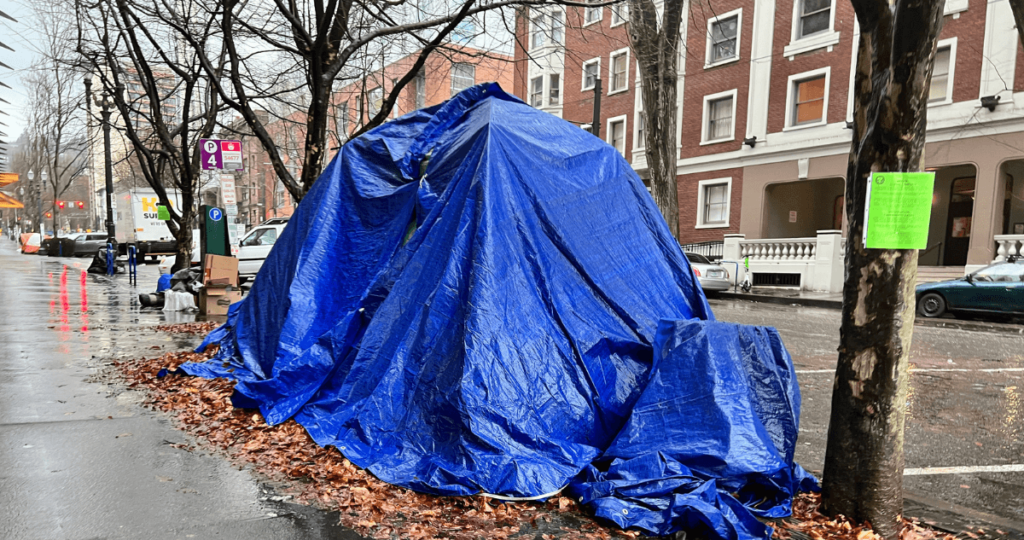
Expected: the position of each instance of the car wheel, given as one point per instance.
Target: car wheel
(931, 305)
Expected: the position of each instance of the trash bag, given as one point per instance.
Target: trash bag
(187, 280)
(99, 263)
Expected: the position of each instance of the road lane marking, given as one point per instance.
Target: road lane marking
(964, 470)
(930, 370)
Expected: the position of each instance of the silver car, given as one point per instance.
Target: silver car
(712, 277)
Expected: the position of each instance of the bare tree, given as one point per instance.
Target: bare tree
(863, 476)
(56, 141)
(160, 93)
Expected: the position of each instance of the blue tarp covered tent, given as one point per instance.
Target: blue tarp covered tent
(481, 297)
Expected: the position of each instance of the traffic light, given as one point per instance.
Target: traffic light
(80, 204)
(60, 204)
(49, 215)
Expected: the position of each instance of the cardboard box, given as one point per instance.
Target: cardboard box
(217, 300)
(220, 270)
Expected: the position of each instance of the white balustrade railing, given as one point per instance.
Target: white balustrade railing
(781, 249)
(1009, 245)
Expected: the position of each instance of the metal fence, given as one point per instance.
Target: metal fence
(712, 250)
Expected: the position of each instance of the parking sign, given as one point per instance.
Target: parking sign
(217, 154)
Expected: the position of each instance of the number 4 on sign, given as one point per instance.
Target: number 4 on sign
(212, 161)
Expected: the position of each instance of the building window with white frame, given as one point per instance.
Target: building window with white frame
(537, 32)
(554, 89)
(537, 92)
(940, 90)
(723, 39)
(713, 202)
(591, 69)
(641, 123)
(815, 17)
(620, 13)
(374, 101)
(463, 76)
(719, 117)
(619, 68)
(592, 14)
(557, 27)
(617, 133)
(421, 89)
(341, 120)
(808, 101)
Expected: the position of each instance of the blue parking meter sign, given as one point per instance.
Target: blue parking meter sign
(215, 214)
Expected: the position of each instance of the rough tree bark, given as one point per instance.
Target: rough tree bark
(657, 48)
(863, 476)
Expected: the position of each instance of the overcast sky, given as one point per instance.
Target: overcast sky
(21, 37)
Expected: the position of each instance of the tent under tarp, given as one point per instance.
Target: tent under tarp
(481, 297)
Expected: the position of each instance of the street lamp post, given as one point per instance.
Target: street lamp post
(39, 202)
(42, 185)
(108, 171)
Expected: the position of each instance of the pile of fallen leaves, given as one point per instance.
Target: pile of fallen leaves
(193, 328)
(808, 522)
(322, 476)
(369, 506)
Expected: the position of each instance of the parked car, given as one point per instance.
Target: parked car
(254, 248)
(87, 244)
(712, 277)
(995, 289)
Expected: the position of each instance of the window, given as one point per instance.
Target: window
(719, 117)
(807, 103)
(537, 91)
(723, 39)
(421, 89)
(463, 76)
(941, 89)
(592, 14)
(464, 32)
(279, 194)
(374, 101)
(537, 32)
(619, 13)
(341, 121)
(554, 89)
(591, 69)
(618, 68)
(261, 237)
(557, 28)
(815, 17)
(640, 141)
(617, 133)
(713, 203)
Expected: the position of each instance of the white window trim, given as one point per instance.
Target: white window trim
(534, 28)
(583, 84)
(827, 71)
(955, 7)
(700, 202)
(600, 16)
(547, 89)
(608, 131)
(542, 88)
(739, 33)
(951, 42)
(704, 118)
(625, 19)
(611, 66)
(638, 111)
(798, 45)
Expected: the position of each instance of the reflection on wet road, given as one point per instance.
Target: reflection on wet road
(965, 430)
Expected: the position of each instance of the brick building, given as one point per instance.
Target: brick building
(764, 100)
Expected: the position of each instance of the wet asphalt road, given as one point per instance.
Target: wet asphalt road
(965, 410)
(79, 461)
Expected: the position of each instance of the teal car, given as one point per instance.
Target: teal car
(996, 289)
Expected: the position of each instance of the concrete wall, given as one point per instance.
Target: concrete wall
(760, 218)
(812, 200)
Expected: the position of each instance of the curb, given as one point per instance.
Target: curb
(956, 324)
(956, 519)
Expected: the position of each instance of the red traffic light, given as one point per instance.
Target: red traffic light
(60, 204)
(49, 215)
(80, 204)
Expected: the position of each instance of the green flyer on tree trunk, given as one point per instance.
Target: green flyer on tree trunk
(898, 210)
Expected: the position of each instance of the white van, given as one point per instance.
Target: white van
(254, 248)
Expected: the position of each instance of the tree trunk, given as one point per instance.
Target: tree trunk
(183, 236)
(863, 476)
(655, 43)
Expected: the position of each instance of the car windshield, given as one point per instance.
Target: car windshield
(1000, 272)
(697, 258)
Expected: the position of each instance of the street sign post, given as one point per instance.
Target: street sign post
(220, 155)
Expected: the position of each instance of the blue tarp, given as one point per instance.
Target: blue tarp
(481, 297)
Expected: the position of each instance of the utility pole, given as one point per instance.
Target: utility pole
(108, 170)
(595, 126)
